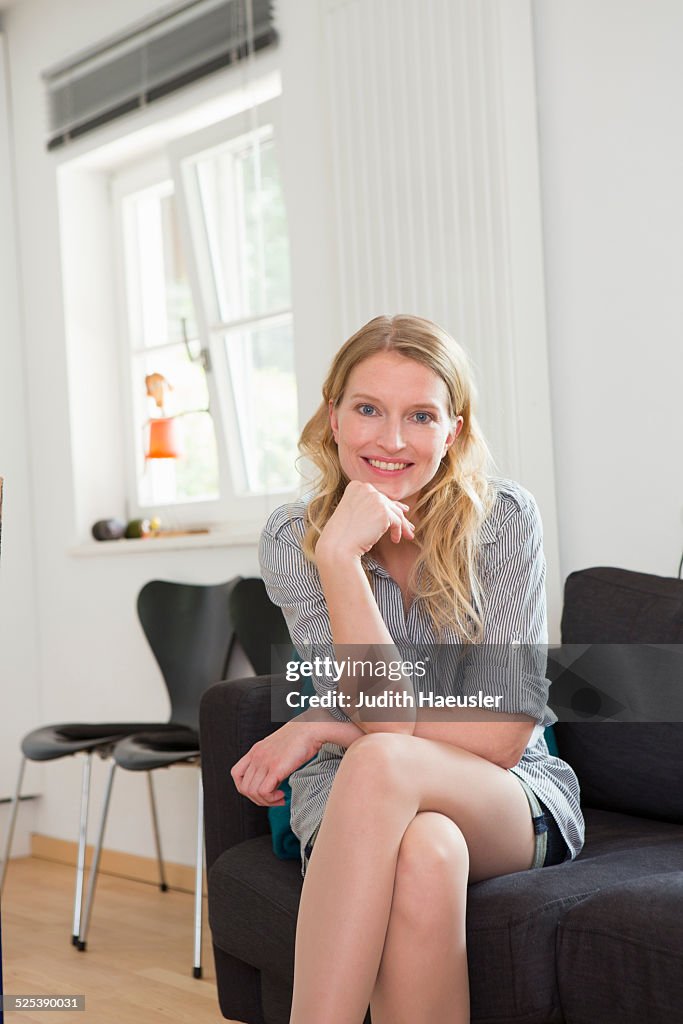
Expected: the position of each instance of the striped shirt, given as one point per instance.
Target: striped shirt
(512, 569)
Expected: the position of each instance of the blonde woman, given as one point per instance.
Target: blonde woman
(405, 541)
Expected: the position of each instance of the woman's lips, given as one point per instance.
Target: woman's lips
(388, 467)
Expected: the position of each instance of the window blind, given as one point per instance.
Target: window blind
(151, 59)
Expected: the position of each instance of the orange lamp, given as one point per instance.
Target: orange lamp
(165, 441)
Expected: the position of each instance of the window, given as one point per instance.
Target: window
(209, 326)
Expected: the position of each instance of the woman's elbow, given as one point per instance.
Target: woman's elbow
(509, 760)
(400, 728)
(513, 751)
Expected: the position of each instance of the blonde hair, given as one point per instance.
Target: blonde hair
(454, 504)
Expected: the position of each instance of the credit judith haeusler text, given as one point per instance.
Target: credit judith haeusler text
(336, 699)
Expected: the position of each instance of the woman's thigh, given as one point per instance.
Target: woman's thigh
(485, 801)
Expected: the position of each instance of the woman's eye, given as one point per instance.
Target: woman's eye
(422, 417)
(366, 410)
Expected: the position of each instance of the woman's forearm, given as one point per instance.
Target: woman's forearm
(359, 632)
(354, 615)
(500, 739)
(326, 729)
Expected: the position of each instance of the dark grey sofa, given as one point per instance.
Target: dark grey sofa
(594, 941)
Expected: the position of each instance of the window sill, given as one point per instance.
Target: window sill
(237, 536)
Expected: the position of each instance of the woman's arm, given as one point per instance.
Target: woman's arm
(260, 771)
(498, 740)
(355, 619)
(362, 516)
(511, 659)
(515, 609)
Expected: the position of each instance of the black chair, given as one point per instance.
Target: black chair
(190, 631)
(257, 624)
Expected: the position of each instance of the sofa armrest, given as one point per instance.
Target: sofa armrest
(233, 715)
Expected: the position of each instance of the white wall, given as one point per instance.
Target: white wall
(609, 79)
(19, 679)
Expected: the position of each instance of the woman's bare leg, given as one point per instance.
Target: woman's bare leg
(383, 782)
(423, 973)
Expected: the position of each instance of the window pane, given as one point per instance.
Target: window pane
(194, 475)
(261, 365)
(159, 291)
(245, 225)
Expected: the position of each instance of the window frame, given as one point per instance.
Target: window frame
(172, 162)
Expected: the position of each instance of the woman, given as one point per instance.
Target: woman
(407, 541)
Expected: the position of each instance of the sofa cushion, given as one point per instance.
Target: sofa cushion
(512, 920)
(620, 954)
(627, 767)
(632, 627)
(253, 905)
(616, 606)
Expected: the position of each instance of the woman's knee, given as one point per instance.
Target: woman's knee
(431, 871)
(376, 761)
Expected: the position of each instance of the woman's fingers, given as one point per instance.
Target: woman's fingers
(255, 782)
(400, 525)
(396, 528)
(248, 779)
(363, 516)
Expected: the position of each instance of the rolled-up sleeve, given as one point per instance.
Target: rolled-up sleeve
(293, 583)
(511, 660)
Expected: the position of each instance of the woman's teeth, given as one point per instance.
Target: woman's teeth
(388, 465)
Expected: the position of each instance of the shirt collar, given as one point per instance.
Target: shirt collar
(374, 566)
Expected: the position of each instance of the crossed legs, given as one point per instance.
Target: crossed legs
(382, 916)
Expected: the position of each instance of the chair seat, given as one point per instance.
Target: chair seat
(254, 898)
(51, 742)
(154, 749)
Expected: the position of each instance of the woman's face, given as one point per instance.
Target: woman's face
(393, 426)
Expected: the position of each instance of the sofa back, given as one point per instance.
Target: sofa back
(633, 767)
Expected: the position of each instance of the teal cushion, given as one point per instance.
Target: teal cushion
(551, 740)
(286, 846)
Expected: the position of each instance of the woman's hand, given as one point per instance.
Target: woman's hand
(362, 516)
(258, 774)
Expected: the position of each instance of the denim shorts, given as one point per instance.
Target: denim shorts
(550, 845)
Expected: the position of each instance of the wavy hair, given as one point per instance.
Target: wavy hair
(452, 507)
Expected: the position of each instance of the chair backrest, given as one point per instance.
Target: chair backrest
(634, 767)
(190, 630)
(258, 623)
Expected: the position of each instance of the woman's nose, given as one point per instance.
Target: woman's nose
(391, 435)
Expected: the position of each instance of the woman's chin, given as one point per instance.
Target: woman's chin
(393, 490)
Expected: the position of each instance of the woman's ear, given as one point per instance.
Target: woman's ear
(456, 427)
(334, 421)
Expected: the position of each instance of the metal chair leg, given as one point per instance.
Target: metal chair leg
(94, 867)
(82, 840)
(199, 873)
(12, 823)
(155, 823)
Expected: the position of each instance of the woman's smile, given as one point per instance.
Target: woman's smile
(386, 468)
(393, 425)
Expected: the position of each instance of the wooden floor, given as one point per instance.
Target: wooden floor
(138, 966)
